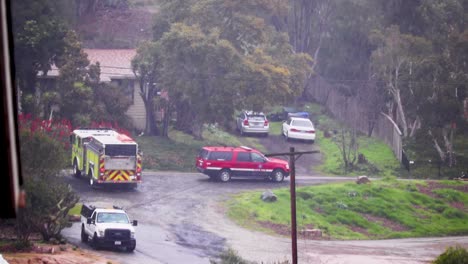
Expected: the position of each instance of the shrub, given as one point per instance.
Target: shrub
(43, 151)
(453, 255)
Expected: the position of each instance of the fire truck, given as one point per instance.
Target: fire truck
(104, 156)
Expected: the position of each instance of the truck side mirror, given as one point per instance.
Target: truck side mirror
(89, 221)
(135, 223)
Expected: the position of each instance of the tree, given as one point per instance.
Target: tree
(393, 63)
(227, 52)
(309, 22)
(346, 141)
(199, 71)
(39, 29)
(146, 66)
(49, 198)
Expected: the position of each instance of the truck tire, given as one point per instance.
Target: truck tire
(94, 242)
(131, 248)
(84, 236)
(76, 171)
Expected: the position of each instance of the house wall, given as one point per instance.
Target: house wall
(137, 110)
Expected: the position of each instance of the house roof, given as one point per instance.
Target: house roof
(114, 63)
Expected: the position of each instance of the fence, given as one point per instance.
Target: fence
(348, 110)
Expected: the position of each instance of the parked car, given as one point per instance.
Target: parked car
(249, 122)
(299, 128)
(223, 163)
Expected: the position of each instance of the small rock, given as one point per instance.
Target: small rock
(312, 232)
(268, 196)
(362, 180)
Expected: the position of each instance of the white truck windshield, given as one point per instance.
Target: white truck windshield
(112, 218)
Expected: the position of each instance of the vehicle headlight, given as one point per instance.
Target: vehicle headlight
(132, 235)
(101, 233)
(287, 166)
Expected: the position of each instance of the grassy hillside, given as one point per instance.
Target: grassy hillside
(382, 209)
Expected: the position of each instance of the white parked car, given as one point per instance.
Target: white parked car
(299, 128)
(249, 122)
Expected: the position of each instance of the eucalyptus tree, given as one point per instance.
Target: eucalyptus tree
(220, 56)
(393, 63)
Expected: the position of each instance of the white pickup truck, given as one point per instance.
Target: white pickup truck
(107, 227)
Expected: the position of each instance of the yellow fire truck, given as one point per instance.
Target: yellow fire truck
(105, 156)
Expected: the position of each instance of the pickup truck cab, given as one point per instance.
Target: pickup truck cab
(107, 227)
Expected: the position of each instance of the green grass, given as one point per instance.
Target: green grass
(275, 128)
(76, 210)
(178, 151)
(351, 211)
(381, 160)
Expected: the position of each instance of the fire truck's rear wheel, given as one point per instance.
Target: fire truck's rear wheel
(76, 171)
(92, 183)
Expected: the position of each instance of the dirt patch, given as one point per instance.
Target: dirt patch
(433, 185)
(285, 230)
(54, 254)
(392, 225)
(360, 230)
(459, 205)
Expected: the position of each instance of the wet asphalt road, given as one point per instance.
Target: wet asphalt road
(166, 206)
(180, 221)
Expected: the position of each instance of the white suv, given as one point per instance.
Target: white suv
(249, 122)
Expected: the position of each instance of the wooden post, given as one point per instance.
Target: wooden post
(292, 171)
(292, 167)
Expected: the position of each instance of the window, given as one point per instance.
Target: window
(243, 156)
(302, 123)
(257, 157)
(203, 153)
(112, 218)
(121, 150)
(220, 155)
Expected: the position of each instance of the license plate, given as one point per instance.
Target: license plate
(118, 243)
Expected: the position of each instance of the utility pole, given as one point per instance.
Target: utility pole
(292, 168)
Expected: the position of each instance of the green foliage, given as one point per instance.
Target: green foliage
(224, 51)
(49, 198)
(76, 210)
(230, 257)
(453, 255)
(383, 209)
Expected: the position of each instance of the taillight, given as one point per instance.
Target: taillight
(246, 122)
(266, 123)
(138, 168)
(294, 130)
(101, 165)
(311, 131)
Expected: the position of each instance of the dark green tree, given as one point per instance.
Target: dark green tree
(49, 198)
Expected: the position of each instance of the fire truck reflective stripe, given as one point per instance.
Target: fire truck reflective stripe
(119, 175)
